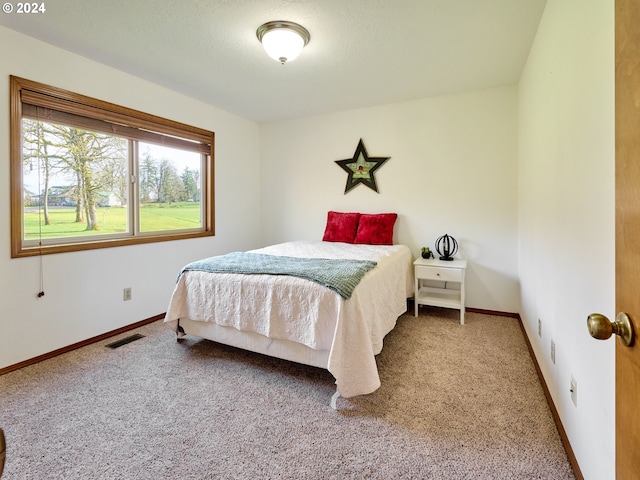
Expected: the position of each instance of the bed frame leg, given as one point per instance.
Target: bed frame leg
(334, 400)
(180, 333)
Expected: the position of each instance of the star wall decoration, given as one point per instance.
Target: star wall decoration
(361, 168)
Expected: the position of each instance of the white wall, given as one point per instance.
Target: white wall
(566, 214)
(83, 290)
(452, 170)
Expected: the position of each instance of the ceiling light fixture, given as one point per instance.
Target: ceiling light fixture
(283, 41)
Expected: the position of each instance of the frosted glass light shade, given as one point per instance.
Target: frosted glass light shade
(282, 45)
(283, 41)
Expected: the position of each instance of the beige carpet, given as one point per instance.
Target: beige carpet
(456, 402)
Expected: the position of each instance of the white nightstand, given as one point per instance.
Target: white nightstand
(433, 276)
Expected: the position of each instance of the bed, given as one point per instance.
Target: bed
(298, 319)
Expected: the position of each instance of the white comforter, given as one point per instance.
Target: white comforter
(302, 311)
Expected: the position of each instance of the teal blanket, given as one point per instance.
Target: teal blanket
(341, 276)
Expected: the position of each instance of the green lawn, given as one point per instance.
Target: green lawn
(153, 217)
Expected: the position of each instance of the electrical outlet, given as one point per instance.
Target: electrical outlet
(574, 391)
(553, 352)
(126, 294)
(540, 328)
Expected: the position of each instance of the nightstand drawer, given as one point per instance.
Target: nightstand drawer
(439, 273)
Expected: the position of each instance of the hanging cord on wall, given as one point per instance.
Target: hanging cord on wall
(40, 205)
(41, 292)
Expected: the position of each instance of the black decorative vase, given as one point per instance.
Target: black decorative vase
(447, 247)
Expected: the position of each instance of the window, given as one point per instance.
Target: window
(90, 174)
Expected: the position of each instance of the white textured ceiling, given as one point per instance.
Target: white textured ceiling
(362, 52)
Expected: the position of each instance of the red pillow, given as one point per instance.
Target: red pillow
(376, 229)
(341, 227)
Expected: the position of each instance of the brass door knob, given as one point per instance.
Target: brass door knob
(601, 327)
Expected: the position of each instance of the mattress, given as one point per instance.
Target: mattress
(281, 308)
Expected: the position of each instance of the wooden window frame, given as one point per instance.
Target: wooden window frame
(37, 100)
